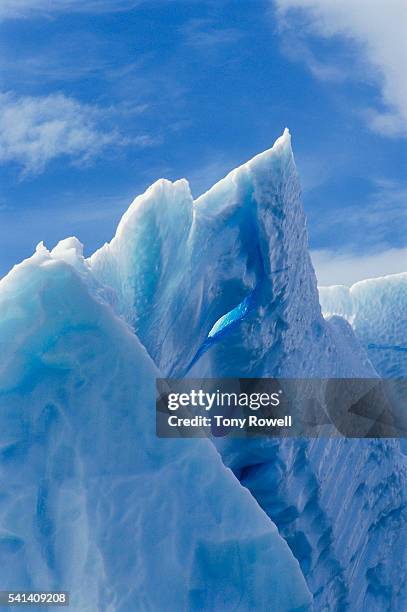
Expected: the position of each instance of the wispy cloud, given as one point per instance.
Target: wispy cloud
(314, 170)
(34, 66)
(208, 35)
(20, 9)
(379, 30)
(382, 216)
(37, 129)
(385, 123)
(296, 48)
(386, 205)
(346, 267)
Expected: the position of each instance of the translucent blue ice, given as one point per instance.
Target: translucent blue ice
(92, 502)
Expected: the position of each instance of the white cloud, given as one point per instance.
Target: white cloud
(36, 129)
(18, 9)
(379, 29)
(346, 268)
(386, 124)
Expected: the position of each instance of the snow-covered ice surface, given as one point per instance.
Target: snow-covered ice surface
(220, 286)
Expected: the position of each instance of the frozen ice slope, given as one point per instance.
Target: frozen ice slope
(91, 501)
(229, 290)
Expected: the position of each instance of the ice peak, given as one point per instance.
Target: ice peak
(160, 198)
(271, 159)
(41, 248)
(281, 145)
(68, 244)
(176, 264)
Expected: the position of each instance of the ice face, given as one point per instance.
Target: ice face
(376, 309)
(178, 266)
(91, 500)
(189, 274)
(172, 275)
(219, 286)
(325, 506)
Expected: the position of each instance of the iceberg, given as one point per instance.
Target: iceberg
(187, 274)
(376, 308)
(220, 286)
(92, 502)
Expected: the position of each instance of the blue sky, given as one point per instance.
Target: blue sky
(99, 98)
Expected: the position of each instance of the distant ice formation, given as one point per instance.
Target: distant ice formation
(92, 502)
(377, 310)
